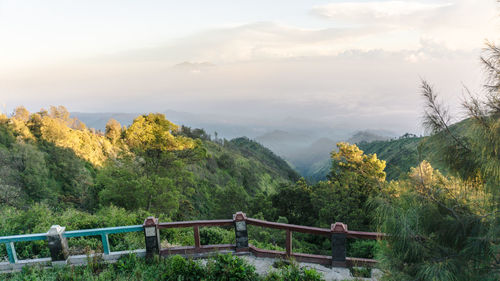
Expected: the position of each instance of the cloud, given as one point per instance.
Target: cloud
(379, 11)
(455, 24)
(363, 72)
(254, 41)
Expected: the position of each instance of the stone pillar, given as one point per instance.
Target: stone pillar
(240, 229)
(152, 236)
(339, 232)
(58, 244)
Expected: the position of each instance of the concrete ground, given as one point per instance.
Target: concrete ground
(265, 265)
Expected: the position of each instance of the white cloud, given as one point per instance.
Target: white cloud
(256, 41)
(383, 11)
(456, 24)
(367, 73)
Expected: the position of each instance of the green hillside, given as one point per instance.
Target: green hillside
(400, 154)
(409, 150)
(50, 158)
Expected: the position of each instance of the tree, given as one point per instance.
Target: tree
(59, 112)
(230, 199)
(33, 171)
(350, 165)
(438, 229)
(447, 228)
(113, 130)
(126, 183)
(294, 201)
(354, 178)
(21, 114)
(153, 134)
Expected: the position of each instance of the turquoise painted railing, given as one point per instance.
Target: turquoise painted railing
(103, 232)
(10, 240)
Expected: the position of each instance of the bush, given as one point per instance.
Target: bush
(364, 272)
(179, 269)
(362, 248)
(228, 267)
(292, 272)
(216, 235)
(174, 268)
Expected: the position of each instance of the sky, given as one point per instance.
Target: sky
(346, 64)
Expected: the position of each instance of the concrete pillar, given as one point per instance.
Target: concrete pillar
(152, 236)
(339, 232)
(240, 229)
(58, 244)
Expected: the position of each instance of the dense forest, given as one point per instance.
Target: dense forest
(436, 197)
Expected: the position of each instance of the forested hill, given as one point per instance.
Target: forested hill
(153, 165)
(400, 154)
(409, 150)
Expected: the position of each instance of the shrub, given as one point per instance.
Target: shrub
(216, 235)
(180, 269)
(229, 268)
(292, 272)
(362, 248)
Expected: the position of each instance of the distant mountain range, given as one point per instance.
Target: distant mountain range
(306, 147)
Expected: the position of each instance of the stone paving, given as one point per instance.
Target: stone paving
(265, 265)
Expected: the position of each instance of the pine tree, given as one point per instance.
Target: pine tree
(447, 228)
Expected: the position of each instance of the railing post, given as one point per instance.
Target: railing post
(58, 244)
(197, 243)
(339, 231)
(240, 229)
(11, 252)
(152, 236)
(288, 243)
(105, 244)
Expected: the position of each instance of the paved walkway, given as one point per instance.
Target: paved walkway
(265, 265)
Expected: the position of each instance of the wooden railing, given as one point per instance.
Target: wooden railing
(338, 232)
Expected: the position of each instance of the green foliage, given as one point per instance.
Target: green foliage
(174, 268)
(87, 145)
(400, 154)
(216, 235)
(230, 199)
(129, 184)
(363, 248)
(447, 228)
(34, 174)
(6, 135)
(228, 267)
(437, 229)
(295, 203)
(194, 133)
(113, 131)
(363, 272)
(354, 178)
(292, 272)
(179, 268)
(153, 133)
(39, 218)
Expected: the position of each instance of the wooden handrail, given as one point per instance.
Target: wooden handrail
(195, 223)
(365, 235)
(291, 227)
